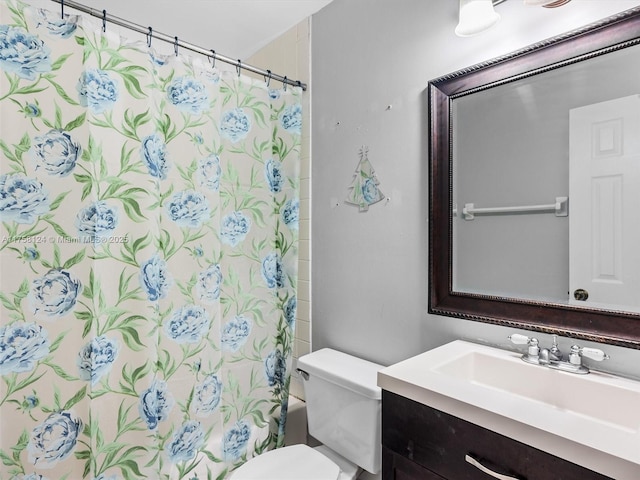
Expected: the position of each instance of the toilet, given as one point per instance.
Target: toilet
(343, 412)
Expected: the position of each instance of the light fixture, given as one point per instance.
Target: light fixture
(475, 16)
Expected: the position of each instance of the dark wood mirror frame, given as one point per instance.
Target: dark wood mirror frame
(604, 326)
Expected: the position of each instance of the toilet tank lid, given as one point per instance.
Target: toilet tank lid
(356, 374)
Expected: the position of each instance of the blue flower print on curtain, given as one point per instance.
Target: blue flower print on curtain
(209, 283)
(31, 476)
(234, 443)
(155, 279)
(154, 155)
(54, 439)
(32, 110)
(290, 309)
(189, 209)
(188, 94)
(98, 90)
(30, 254)
(274, 94)
(55, 25)
(234, 228)
(209, 172)
(272, 272)
(188, 324)
(206, 397)
(55, 294)
(56, 153)
(275, 369)
(96, 358)
(96, 221)
(235, 124)
(291, 119)
(158, 59)
(155, 404)
(30, 402)
(291, 213)
(23, 53)
(235, 333)
(211, 76)
(22, 199)
(21, 346)
(273, 175)
(185, 442)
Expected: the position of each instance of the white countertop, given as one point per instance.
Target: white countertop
(609, 447)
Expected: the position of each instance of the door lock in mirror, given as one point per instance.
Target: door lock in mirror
(581, 294)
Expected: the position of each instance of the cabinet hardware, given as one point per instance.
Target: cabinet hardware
(484, 469)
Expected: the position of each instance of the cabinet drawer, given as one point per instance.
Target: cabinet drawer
(396, 467)
(441, 443)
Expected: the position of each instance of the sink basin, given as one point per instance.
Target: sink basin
(592, 420)
(598, 396)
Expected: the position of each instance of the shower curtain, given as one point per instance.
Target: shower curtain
(148, 256)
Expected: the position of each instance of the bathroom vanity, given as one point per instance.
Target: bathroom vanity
(422, 442)
(465, 411)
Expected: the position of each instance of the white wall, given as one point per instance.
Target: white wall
(371, 63)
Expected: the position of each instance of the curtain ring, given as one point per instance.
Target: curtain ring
(268, 79)
(213, 59)
(62, 9)
(175, 46)
(149, 37)
(104, 21)
(299, 83)
(238, 67)
(284, 82)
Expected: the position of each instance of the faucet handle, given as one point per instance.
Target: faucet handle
(518, 339)
(592, 353)
(533, 349)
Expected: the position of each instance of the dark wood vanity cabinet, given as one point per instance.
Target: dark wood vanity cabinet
(419, 442)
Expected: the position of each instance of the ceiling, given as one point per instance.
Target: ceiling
(235, 28)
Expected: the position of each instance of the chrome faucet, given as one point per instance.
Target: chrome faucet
(552, 354)
(553, 357)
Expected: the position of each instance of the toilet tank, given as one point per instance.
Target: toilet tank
(344, 405)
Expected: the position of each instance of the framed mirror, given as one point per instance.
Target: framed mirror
(534, 168)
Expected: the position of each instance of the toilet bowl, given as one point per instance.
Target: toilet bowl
(343, 410)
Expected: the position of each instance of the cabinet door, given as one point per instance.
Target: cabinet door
(444, 444)
(396, 467)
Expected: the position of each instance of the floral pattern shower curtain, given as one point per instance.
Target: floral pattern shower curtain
(148, 256)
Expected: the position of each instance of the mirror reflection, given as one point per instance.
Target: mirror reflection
(557, 154)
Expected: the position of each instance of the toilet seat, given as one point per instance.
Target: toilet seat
(296, 462)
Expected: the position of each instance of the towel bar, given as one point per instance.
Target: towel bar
(560, 208)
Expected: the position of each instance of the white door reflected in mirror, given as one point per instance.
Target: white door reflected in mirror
(604, 224)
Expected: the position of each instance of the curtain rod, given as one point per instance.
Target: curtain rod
(176, 42)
